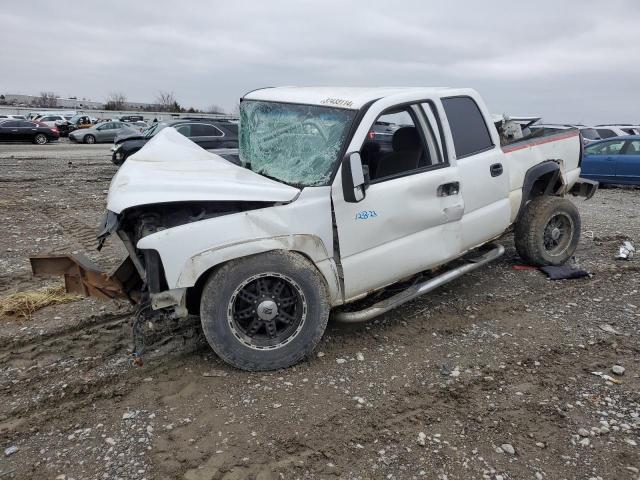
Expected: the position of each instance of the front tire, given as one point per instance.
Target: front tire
(548, 231)
(89, 139)
(40, 139)
(266, 311)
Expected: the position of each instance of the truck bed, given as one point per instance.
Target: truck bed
(564, 147)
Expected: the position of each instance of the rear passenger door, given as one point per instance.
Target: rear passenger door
(207, 135)
(484, 179)
(104, 131)
(27, 130)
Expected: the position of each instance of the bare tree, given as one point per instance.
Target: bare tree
(167, 102)
(47, 100)
(116, 101)
(214, 109)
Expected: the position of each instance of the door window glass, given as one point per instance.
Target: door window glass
(395, 145)
(633, 148)
(184, 129)
(205, 130)
(606, 148)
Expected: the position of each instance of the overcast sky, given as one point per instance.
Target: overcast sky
(566, 60)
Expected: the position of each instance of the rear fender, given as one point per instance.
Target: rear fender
(545, 178)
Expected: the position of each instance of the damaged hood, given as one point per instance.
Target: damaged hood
(171, 168)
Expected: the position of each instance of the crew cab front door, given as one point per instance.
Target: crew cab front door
(409, 220)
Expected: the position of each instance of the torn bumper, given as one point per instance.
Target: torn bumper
(83, 277)
(584, 188)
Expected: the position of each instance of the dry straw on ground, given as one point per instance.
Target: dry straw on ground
(24, 304)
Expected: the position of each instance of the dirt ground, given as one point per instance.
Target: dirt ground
(488, 377)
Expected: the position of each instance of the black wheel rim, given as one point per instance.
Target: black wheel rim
(267, 311)
(558, 234)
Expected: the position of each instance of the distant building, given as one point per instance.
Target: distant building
(74, 103)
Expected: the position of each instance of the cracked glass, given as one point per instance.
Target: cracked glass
(295, 144)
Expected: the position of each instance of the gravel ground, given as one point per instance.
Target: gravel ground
(488, 377)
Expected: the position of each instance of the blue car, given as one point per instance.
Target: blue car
(614, 160)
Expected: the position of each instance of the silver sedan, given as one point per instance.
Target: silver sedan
(103, 132)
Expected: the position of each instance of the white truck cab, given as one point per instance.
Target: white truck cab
(340, 193)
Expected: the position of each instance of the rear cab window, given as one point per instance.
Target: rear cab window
(468, 127)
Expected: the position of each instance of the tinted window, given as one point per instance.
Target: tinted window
(468, 128)
(184, 129)
(205, 130)
(606, 133)
(25, 124)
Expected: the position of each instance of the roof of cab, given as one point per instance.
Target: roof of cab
(341, 97)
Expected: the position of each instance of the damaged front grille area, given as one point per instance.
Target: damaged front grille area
(141, 274)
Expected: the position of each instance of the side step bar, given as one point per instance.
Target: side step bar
(418, 290)
(83, 277)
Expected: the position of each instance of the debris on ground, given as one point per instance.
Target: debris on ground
(10, 450)
(618, 370)
(24, 304)
(605, 327)
(563, 272)
(626, 251)
(606, 377)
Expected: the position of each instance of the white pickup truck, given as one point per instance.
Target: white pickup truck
(337, 195)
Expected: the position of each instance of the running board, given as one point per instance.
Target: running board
(418, 290)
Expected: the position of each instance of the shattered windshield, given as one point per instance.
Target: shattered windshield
(295, 144)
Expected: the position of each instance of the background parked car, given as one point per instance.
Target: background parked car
(615, 160)
(103, 132)
(131, 118)
(610, 131)
(25, 131)
(50, 120)
(139, 125)
(626, 128)
(208, 133)
(12, 117)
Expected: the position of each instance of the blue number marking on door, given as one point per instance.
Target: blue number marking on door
(366, 214)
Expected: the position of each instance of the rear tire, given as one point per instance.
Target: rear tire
(266, 311)
(40, 139)
(89, 139)
(548, 231)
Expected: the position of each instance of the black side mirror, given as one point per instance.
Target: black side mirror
(354, 183)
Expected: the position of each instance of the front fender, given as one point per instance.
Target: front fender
(304, 225)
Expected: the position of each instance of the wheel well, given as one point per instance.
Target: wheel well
(194, 293)
(542, 179)
(546, 184)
